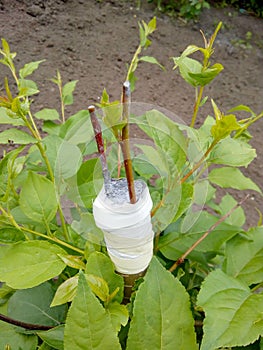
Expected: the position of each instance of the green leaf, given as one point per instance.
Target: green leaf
(87, 228)
(16, 108)
(8, 56)
(232, 177)
(27, 264)
(16, 136)
(67, 92)
(10, 166)
(155, 157)
(166, 135)
(224, 126)
(217, 112)
(188, 68)
(152, 25)
(11, 235)
(241, 108)
(29, 68)
(27, 306)
(5, 292)
(132, 79)
(119, 315)
(47, 114)
(204, 192)
(177, 242)
(98, 286)
(232, 152)
(246, 263)
(45, 346)
(87, 170)
(161, 320)
(38, 198)
(238, 320)
(203, 101)
(84, 193)
(73, 261)
(51, 128)
(21, 218)
(150, 59)
(65, 158)
(173, 204)
(142, 35)
(8, 92)
(143, 168)
(77, 129)
(190, 50)
(6, 48)
(187, 194)
(237, 218)
(112, 115)
(54, 337)
(6, 119)
(100, 265)
(104, 98)
(206, 76)
(66, 291)
(27, 87)
(16, 341)
(88, 325)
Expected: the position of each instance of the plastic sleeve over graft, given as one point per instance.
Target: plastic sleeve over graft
(127, 231)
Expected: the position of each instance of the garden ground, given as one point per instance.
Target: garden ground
(93, 40)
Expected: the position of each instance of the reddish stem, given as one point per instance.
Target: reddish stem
(25, 325)
(199, 163)
(125, 145)
(189, 250)
(99, 140)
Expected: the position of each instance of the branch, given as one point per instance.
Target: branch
(99, 140)
(125, 146)
(189, 250)
(30, 326)
(196, 106)
(53, 239)
(200, 162)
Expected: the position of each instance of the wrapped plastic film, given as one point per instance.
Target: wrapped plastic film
(127, 230)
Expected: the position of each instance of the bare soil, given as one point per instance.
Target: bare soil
(93, 40)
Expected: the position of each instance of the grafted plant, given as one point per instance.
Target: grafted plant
(203, 286)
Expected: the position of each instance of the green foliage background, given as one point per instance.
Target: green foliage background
(192, 8)
(203, 287)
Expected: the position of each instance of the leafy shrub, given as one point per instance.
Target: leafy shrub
(191, 9)
(188, 9)
(60, 289)
(254, 6)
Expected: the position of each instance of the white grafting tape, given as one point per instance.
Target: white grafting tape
(127, 231)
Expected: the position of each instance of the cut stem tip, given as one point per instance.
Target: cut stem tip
(100, 145)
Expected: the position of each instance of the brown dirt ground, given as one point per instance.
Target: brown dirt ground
(93, 40)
